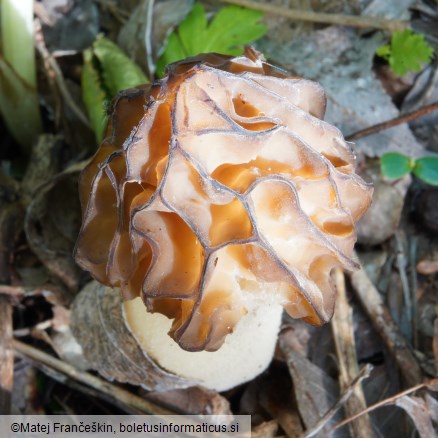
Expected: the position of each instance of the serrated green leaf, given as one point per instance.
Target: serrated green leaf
(227, 33)
(426, 169)
(394, 165)
(118, 71)
(233, 27)
(107, 70)
(384, 51)
(406, 52)
(174, 51)
(94, 96)
(193, 30)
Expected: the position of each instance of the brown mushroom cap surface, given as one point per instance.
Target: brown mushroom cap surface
(217, 189)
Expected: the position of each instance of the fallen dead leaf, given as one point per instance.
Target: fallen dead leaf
(432, 405)
(418, 410)
(268, 429)
(435, 342)
(315, 391)
(63, 341)
(277, 399)
(98, 324)
(427, 267)
(52, 223)
(341, 61)
(195, 400)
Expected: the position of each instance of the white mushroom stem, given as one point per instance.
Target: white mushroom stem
(245, 353)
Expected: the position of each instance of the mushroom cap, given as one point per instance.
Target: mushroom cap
(220, 189)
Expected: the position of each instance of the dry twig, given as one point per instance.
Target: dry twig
(320, 17)
(53, 67)
(363, 374)
(433, 383)
(6, 355)
(406, 326)
(414, 285)
(107, 390)
(12, 291)
(342, 328)
(384, 324)
(393, 122)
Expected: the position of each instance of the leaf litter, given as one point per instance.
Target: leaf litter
(305, 367)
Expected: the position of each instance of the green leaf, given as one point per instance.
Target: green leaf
(406, 52)
(107, 70)
(384, 51)
(227, 33)
(94, 96)
(118, 71)
(193, 31)
(19, 101)
(174, 51)
(19, 106)
(426, 169)
(394, 165)
(232, 28)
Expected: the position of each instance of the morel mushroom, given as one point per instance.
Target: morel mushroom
(220, 196)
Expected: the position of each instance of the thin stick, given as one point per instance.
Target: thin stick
(320, 17)
(384, 324)
(401, 266)
(59, 78)
(414, 285)
(110, 390)
(148, 37)
(363, 374)
(18, 292)
(13, 291)
(387, 401)
(343, 334)
(84, 389)
(393, 122)
(6, 355)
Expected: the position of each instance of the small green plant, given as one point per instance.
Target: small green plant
(406, 52)
(227, 33)
(395, 166)
(19, 103)
(107, 70)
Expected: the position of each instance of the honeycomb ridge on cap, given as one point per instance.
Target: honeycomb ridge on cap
(217, 189)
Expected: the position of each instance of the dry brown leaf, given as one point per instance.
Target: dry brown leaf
(277, 399)
(98, 324)
(268, 429)
(52, 223)
(435, 342)
(25, 397)
(297, 334)
(63, 341)
(11, 217)
(356, 99)
(315, 391)
(433, 385)
(432, 405)
(380, 222)
(427, 267)
(43, 165)
(195, 400)
(419, 412)
(144, 36)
